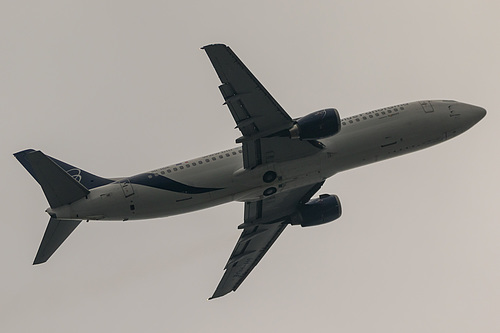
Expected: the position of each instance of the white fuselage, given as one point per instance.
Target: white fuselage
(219, 178)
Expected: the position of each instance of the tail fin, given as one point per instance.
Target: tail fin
(62, 184)
(56, 233)
(59, 187)
(85, 178)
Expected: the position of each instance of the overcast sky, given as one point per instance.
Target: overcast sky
(121, 87)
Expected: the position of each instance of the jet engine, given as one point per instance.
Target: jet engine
(318, 211)
(316, 125)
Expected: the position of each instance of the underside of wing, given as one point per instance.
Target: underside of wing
(251, 247)
(264, 221)
(254, 110)
(264, 124)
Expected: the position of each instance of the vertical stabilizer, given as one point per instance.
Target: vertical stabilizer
(58, 186)
(85, 178)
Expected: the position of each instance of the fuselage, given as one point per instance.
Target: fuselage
(220, 177)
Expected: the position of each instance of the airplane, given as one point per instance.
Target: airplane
(278, 167)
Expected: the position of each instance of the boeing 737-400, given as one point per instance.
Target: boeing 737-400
(279, 165)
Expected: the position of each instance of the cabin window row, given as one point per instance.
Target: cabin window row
(206, 160)
(369, 115)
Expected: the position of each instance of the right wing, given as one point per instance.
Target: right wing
(262, 121)
(264, 221)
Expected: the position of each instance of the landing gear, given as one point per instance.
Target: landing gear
(269, 191)
(269, 177)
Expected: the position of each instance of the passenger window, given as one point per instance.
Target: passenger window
(175, 169)
(181, 167)
(213, 159)
(207, 160)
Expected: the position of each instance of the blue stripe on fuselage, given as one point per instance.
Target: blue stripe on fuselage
(164, 183)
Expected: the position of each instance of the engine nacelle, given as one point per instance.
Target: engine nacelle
(319, 211)
(316, 125)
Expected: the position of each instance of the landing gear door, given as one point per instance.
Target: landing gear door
(127, 188)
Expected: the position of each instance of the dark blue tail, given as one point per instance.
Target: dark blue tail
(85, 178)
(62, 184)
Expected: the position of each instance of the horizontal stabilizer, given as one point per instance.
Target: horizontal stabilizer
(59, 187)
(56, 233)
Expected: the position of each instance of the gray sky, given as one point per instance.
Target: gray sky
(121, 87)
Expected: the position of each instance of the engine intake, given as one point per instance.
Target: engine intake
(318, 211)
(316, 125)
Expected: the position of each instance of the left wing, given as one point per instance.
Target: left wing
(264, 222)
(263, 123)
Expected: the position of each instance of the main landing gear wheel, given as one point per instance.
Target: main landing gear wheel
(269, 191)
(269, 177)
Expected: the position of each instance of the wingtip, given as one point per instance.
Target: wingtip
(38, 261)
(40, 258)
(213, 45)
(218, 294)
(213, 297)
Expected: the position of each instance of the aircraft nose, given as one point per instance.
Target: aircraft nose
(478, 113)
(468, 115)
(473, 114)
